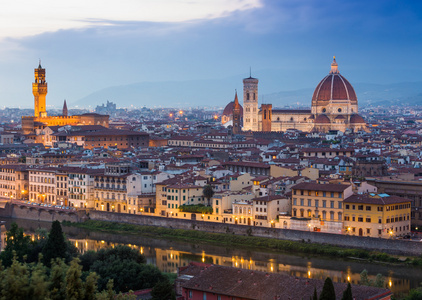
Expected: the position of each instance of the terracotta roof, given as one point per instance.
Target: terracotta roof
(355, 118)
(334, 87)
(375, 200)
(309, 186)
(322, 119)
(250, 284)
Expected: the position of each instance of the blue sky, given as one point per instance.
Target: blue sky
(89, 45)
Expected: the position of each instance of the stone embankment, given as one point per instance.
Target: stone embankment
(39, 213)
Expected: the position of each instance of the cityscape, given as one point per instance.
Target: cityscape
(240, 188)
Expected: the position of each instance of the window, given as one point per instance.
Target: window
(332, 204)
(368, 220)
(324, 203)
(360, 219)
(332, 195)
(347, 206)
(309, 202)
(316, 203)
(302, 202)
(190, 294)
(346, 218)
(339, 205)
(294, 201)
(360, 207)
(368, 208)
(324, 194)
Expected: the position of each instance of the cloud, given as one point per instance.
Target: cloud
(23, 18)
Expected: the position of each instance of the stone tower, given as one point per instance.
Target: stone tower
(236, 116)
(266, 111)
(250, 104)
(64, 112)
(39, 90)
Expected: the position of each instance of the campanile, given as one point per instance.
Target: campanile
(39, 90)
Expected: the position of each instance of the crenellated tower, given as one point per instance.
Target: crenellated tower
(250, 104)
(39, 90)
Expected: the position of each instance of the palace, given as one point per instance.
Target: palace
(40, 120)
(334, 107)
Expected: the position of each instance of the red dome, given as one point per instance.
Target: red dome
(228, 110)
(322, 119)
(334, 87)
(355, 119)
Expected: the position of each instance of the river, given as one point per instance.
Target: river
(168, 255)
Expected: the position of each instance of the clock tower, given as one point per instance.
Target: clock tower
(39, 90)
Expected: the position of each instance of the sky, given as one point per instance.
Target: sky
(87, 46)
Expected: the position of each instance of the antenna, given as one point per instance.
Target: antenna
(250, 72)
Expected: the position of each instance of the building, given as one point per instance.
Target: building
(320, 206)
(334, 106)
(40, 120)
(377, 215)
(199, 281)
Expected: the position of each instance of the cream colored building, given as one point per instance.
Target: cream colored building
(319, 204)
(42, 185)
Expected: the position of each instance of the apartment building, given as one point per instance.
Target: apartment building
(14, 181)
(42, 185)
(322, 203)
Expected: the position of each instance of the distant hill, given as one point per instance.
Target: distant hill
(214, 93)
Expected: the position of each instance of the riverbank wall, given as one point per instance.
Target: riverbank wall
(390, 246)
(41, 213)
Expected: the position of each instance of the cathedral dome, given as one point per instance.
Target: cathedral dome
(228, 110)
(322, 119)
(333, 87)
(355, 119)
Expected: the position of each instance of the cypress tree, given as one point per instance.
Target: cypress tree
(328, 292)
(56, 245)
(347, 294)
(315, 294)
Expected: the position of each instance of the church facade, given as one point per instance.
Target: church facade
(40, 120)
(334, 106)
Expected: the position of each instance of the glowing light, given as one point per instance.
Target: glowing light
(181, 112)
(390, 283)
(309, 274)
(348, 278)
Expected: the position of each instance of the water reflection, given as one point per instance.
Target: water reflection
(169, 255)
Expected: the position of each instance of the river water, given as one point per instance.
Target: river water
(168, 255)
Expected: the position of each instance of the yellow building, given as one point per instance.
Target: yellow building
(377, 215)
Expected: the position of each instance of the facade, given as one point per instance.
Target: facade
(321, 205)
(40, 120)
(42, 185)
(375, 215)
(14, 181)
(250, 104)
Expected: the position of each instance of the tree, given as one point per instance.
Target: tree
(163, 290)
(364, 280)
(90, 286)
(39, 282)
(17, 244)
(315, 297)
(74, 287)
(125, 266)
(57, 279)
(15, 282)
(328, 292)
(56, 246)
(379, 281)
(347, 294)
(208, 192)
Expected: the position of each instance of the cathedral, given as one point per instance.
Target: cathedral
(334, 107)
(40, 120)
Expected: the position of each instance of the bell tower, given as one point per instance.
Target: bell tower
(39, 90)
(250, 104)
